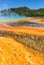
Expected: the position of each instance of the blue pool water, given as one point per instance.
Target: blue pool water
(18, 17)
(12, 16)
(32, 24)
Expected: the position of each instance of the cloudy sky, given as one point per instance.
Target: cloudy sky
(33, 4)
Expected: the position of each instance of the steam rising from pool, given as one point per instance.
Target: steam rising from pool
(8, 15)
(12, 16)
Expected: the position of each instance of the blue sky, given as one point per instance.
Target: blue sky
(33, 4)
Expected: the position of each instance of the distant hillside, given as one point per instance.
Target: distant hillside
(24, 11)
